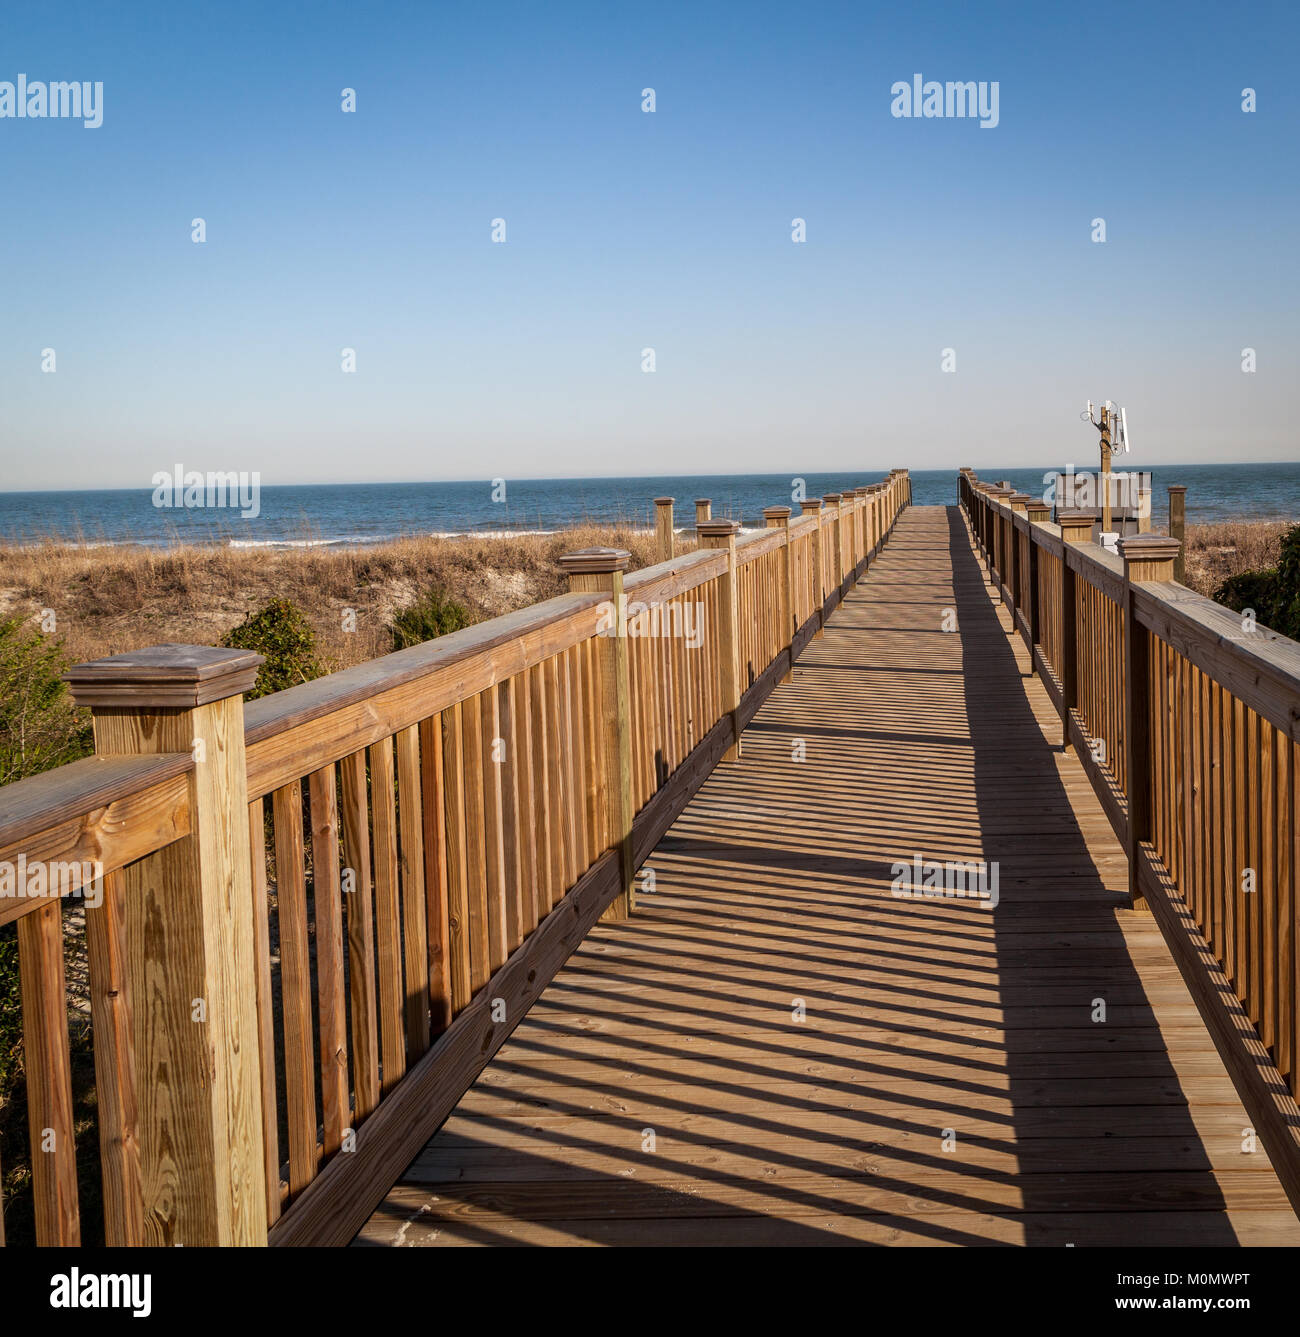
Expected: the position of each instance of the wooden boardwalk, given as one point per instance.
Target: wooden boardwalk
(948, 1083)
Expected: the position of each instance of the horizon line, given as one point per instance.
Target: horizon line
(603, 478)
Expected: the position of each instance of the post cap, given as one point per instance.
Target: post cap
(1037, 508)
(174, 677)
(1148, 548)
(776, 512)
(1019, 500)
(664, 501)
(704, 501)
(1178, 487)
(1076, 526)
(716, 529)
(810, 504)
(862, 491)
(831, 497)
(595, 561)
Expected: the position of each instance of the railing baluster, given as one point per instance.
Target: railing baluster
(295, 987)
(434, 826)
(361, 935)
(493, 748)
(115, 1100)
(454, 786)
(415, 908)
(327, 904)
(259, 902)
(49, 1075)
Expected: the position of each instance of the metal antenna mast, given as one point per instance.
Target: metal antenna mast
(1112, 424)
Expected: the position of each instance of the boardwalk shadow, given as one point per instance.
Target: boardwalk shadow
(1062, 957)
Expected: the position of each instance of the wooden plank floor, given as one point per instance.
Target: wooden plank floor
(947, 1083)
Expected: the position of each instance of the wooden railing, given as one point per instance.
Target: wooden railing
(323, 912)
(1187, 720)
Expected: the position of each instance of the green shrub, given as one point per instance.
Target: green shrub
(39, 730)
(1287, 594)
(39, 726)
(1273, 593)
(432, 616)
(284, 637)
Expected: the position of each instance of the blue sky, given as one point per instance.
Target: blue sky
(628, 230)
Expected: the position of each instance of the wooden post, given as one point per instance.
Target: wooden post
(984, 498)
(703, 511)
(722, 534)
(814, 507)
(778, 517)
(1036, 512)
(1147, 557)
(846, 542)
(1076, 528)
(600, 571)
(1017, 502)
(999, 546)
(1178, 528)
(664, 528)
(189, 962)
(863, 526)
(990, 532)
(832, 558)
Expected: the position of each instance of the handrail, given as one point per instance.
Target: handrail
(1260, 668)
(753, 546)
(356, 707)
(440, 828)
(1187, 722)
(102, 811)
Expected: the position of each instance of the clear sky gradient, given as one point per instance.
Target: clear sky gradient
(628, 230)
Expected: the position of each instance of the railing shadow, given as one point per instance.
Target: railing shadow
(1126, 1104)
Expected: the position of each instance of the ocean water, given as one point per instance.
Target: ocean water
(337, 514)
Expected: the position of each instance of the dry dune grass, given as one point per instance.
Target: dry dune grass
(1217, 551)
(108, 600)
